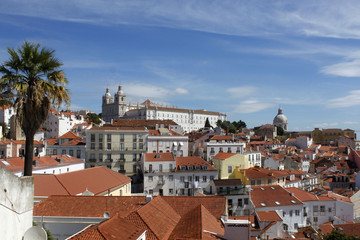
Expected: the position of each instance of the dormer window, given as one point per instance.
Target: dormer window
(197, 167)
(190, 167)
(182, 167)
(205, 167)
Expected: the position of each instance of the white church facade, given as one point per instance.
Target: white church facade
(189, 120)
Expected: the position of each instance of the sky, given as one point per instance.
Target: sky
(242, 58)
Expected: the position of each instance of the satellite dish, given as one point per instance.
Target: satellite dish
(35, 233)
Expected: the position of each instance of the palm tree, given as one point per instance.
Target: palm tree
(32, 82)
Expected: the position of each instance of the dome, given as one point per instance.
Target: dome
(280, 120)
(107, 94)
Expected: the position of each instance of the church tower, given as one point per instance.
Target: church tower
(281, 120)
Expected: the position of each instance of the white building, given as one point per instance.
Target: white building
(6, 112)
(276, 198)
(16, 205)
(223, 144)
(183, 176)
(44, 165)
(59, 123)
(165, 140)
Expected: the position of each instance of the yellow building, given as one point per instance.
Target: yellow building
(257, 176)
(325, 136)
(226, 163)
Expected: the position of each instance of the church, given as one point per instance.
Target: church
(281, 120)
(190, 120)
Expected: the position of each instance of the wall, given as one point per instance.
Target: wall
(16, 204)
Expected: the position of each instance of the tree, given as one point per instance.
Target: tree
(32, 82)
(94, 118)
(207, 123)
(336, 234)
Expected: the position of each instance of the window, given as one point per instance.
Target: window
(63, 152)
(109, 146)
(100, 157)
(211, 178)
(315, 208)
(92, 137)
(78, 153)
(240, 202)
(204, 178)
(229, 169)
(134, 137)
(134, 157)
(229, 202)
(296, 226)
(92, 156)
(284, 213)
(258, 182)
(160, 167)
(100, 137)
(71, 153)
(141, 137)
(121, 137)
(269, 181)
(315, 219)
(252, 182)
(246, 201)
(330, 210)
(92, 146)
(182, 179)
(171, 178)
(134, 145)
(108, 137)
(151, 192)
(182, 191)
(171, 191)
(285, 227)
(122, 156)
(322, 209)
(297, 212)
(197, 178)
(109, 156)
(121, 146)
(190, 178)
(100, 146)
(141, 145)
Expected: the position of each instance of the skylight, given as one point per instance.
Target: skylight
(262, 188)
(277, 203)
(6, 163)
(263, 204)
(292, 201)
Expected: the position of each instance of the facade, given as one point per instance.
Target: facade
(256, 176)
(117, 148)
(59, 123)
(69, 143)
(16, 205)
(281, 120)
(167, 175)
(332, 135)
(228, 163)
(225, 144)
(55, 164)
(6, 112)
(165, 140)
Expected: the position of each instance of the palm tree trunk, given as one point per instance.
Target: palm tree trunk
(29, 154)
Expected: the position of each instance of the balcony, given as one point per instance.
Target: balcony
(161, 182)
(225, 192)
(122, 171)
(109, 160)
(92, 160)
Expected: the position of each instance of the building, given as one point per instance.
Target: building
(16, 204)
(69, 143)
(117, 148)
(98, 181)
(44, 165)
(165, 174)
(225, 144)
(227, 163)
(58, 123)
(165, 140)
(149, 124)
(256, 176)
(6, 112)
(281, 120)
(331, 135)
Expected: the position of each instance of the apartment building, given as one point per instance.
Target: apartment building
(226, 144)
(165, 140)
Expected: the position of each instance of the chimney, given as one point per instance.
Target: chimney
(148, 198)
(235, 228)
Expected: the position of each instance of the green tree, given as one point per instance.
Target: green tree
(336, 234)
(32, 81)
(95, 118)
(207, 123)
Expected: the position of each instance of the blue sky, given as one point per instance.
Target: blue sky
(242, 58)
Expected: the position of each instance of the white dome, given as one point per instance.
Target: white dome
(280, 120)
(107, 94)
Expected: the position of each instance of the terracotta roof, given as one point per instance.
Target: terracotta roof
(338, 197)
(142, 122)
(272, 196)
(22, 142)
(224, 155)
(70, 135)
(226, 138)
(97, 180)
(186, 229)
(117, 128)
(74, 142)
(305, 196)
(192, 161)
(257, 172)
(17, 164)
(88, 206)
(153, 132)
(268, 216)
(159, 157)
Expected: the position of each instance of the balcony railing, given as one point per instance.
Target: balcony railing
(109, 160)
(241, 191)
(92, 160)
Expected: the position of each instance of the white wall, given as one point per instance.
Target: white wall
(16, 204)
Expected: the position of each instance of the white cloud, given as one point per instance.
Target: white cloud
(251, 106)
(181, 91)
(240, 92)
(352, 99)
(326, 125)
(345, 69)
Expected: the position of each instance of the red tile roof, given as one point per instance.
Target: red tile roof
(70, 135)
(117, 128)
(257, 172)
(272, 196)
(159, 157)
(268, 216)
(224, 155)
(305, 196)
(142, 122)
(17, 164)
(88, 206)
(98, 180)
(192, 161)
